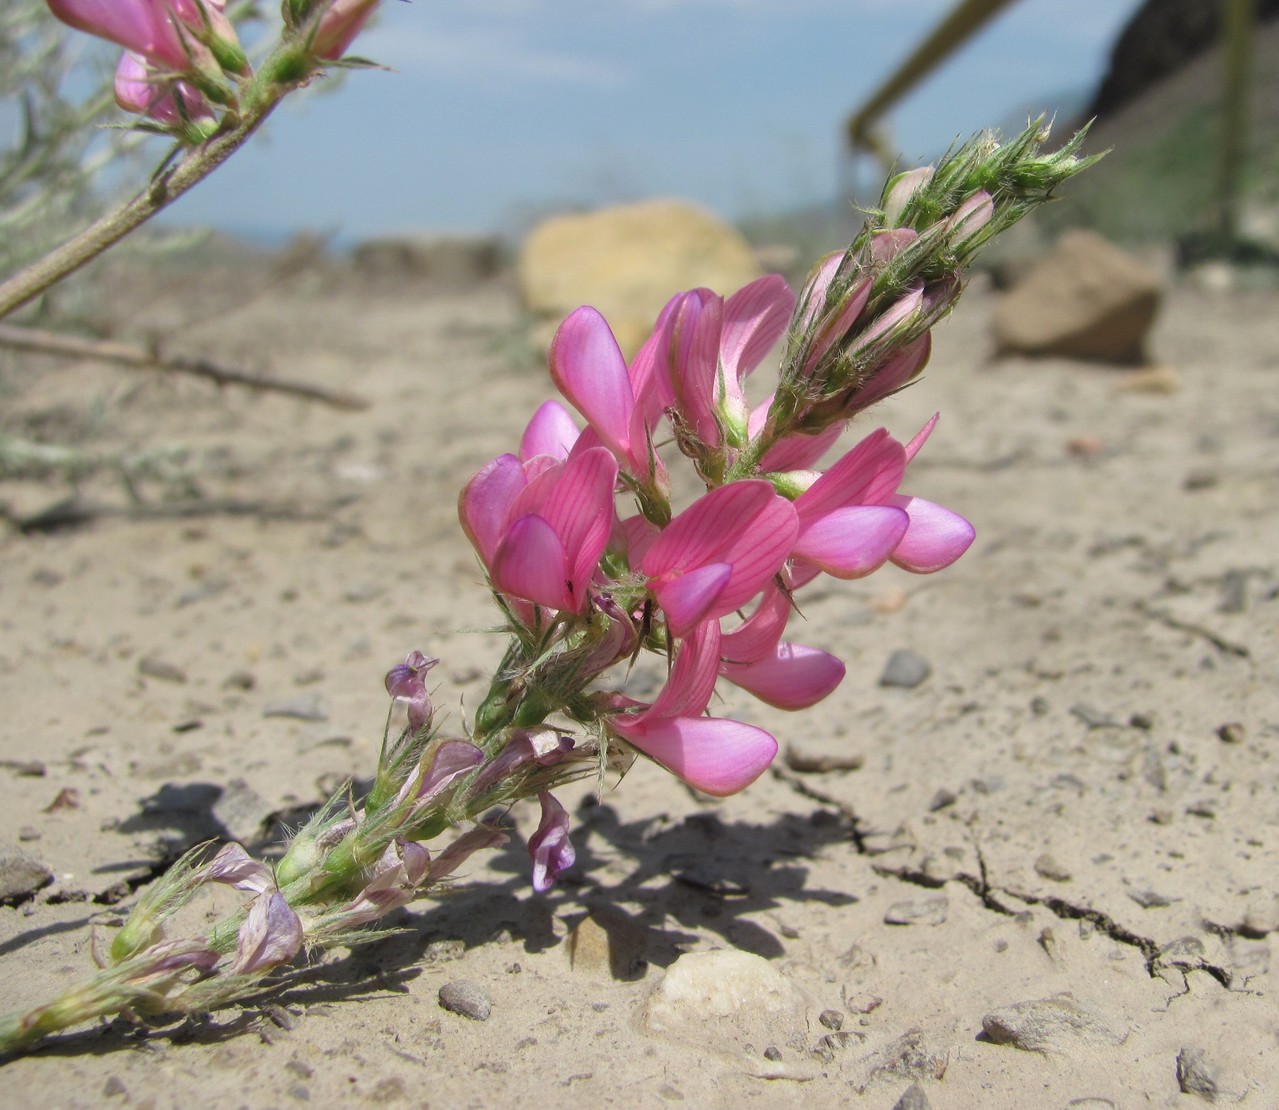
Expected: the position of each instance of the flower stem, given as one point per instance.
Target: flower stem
(108, 230)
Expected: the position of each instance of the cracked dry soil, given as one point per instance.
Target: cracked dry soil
(1081, 800)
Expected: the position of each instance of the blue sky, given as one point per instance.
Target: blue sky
(498, 109)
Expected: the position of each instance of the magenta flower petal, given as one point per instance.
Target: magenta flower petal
(588, 368)
(867, 475)
(550, 432)
(713, 755)
(935, 538)
(852, 542)
(757, 636)
(688, 689)
(793, 677)
(754, 319)
(799, 452)
(745, 524)
(921, 437)
(550, 848)
(687, 598)
(531, 563)
(580, 509)
(693, 361)
(487, 499)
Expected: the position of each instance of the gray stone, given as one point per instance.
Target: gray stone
(1261, 916)
(905, 669)
(20, 875)
(461, 996)
(1049, 1025)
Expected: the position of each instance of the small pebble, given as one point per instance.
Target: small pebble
(1049, 867)
(918, 911)
(1231, 733)
(831, 1019)
(905, 669)
(772, 1052)
(1151, 899)
(942, 799)
(461, 996)
(913, 1098)
(1194, 1077)
(307, 708)
(114, 1087)
(154, 667)
(20, 876)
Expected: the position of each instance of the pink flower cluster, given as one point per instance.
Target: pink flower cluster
(720, 575)
(178, 52)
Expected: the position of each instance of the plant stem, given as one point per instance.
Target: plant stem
(162, 191)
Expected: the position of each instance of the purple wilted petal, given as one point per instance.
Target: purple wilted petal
(792, 677)
(550, 847)
(400, 871)
(271, 935)
(447, 761)
(543, 746)
(407, 683)
(235, 867)
(471, 841)
(175, 955)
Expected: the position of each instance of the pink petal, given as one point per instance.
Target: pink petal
(550, 848)
(715, 756)
(935, 538)
(867, 475)
(757, 636)
(896, 372)
(485, 501)
(695, 332)
(531, 563)
(852, 542)
(755, 318)
(588, 368)
(793, 677)
(799, 452)
(745, 524)
(886, 245)
(835, 326)
(686, 599)
(272, 934)
(912, 448)
(688, 690)
(550, 432)
(579, 507)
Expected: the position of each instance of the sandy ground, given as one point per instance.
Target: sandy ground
(1056, 810)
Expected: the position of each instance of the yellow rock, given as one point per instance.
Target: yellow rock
(628, 261)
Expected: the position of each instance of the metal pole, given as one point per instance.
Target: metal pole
(1239, 20)
(965, 19)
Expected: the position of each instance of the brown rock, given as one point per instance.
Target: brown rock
(628, 261)
(1086, 299)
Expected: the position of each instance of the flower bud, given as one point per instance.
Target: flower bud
(899, 192)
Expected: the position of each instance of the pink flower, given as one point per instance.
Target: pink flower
(164, 32)
(620, 404)
(788, 676)
(550, 848)
(340, 23)
(235, 867)
(714, 755)
(137, 89)
(719, 553)
(541, 526)
(852, 518)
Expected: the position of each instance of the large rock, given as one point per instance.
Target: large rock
(628, 261)
(1085, 299)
